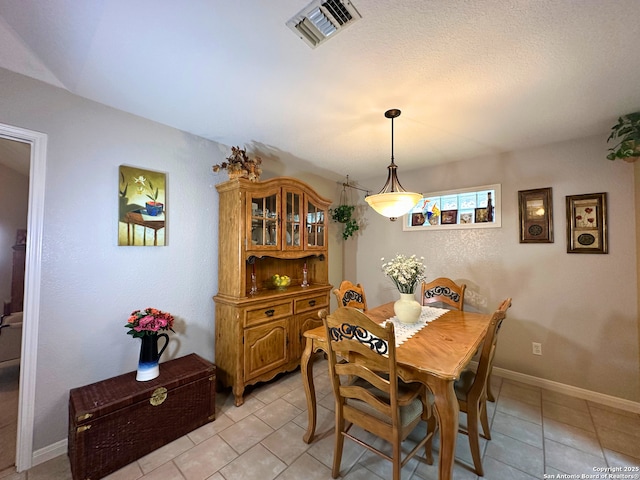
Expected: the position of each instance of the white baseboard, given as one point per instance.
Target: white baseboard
(49, 452)
(572, 391)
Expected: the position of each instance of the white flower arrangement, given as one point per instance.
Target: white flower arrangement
(405, 272)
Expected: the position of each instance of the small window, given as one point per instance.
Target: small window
(475, 207)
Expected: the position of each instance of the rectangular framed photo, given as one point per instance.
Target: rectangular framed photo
(417, 219)
(449, 217)
(466, 217)
(536, 215)
(587, 223)
(481, 215)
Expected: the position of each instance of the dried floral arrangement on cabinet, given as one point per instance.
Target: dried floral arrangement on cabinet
(239, 165)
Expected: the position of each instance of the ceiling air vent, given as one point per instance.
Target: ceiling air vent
(322, 19)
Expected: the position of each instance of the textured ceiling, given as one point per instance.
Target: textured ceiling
(471, 77)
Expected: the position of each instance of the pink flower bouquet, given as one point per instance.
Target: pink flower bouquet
(148, 322)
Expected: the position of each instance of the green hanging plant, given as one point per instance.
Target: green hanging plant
(627, 133)
(343, 214)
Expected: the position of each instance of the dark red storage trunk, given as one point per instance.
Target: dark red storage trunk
(116, 421)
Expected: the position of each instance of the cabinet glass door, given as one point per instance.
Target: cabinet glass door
(293, 218)
(316, 228)
(263, 232)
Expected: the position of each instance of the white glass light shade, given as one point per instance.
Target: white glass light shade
(393, 204)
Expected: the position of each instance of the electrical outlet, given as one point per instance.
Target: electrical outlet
(536, 348)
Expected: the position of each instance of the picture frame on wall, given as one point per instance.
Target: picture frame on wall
(466, 217)
(449, 217)
(482, 215)
(142, 207)
(587, 223)
(417, 219)
(536, 215)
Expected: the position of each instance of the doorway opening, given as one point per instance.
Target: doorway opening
(14, 197)
(32, 276)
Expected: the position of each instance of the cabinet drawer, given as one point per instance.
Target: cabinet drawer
(310, 303)
(266, 312)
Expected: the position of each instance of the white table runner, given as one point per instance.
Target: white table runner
(405, 331)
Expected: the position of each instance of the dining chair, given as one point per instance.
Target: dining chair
(490, 396)
(471, 387)
(443, 290)
(350, 295)
(367, 390)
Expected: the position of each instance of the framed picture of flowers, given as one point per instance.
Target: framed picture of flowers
(142, 207)
(587, 223)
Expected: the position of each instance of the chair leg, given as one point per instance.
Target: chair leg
(474, 438)
(490, 395)
(339, 444)
(397, 458)
(484, 420)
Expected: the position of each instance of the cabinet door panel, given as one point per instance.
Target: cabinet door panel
(293, 217)
(265, 348)
(316, 226)
(264, 212)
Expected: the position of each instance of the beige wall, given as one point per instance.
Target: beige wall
(582, 308)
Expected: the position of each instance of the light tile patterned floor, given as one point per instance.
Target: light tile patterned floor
(534, 432)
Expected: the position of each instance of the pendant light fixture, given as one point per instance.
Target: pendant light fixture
(393, 201)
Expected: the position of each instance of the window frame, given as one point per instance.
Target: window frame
(497, 210)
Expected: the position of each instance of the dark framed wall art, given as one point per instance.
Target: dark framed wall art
(587, 223)
(536, 215)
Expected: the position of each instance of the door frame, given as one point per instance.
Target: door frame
(32, 281)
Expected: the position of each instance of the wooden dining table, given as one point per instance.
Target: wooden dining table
(435, 356)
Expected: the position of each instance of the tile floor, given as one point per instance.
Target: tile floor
(535, 432)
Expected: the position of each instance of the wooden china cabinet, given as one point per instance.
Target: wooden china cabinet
(278, 226)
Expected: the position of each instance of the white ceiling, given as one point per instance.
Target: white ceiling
(471, 77)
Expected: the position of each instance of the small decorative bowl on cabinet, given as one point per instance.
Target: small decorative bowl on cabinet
(281, 282)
